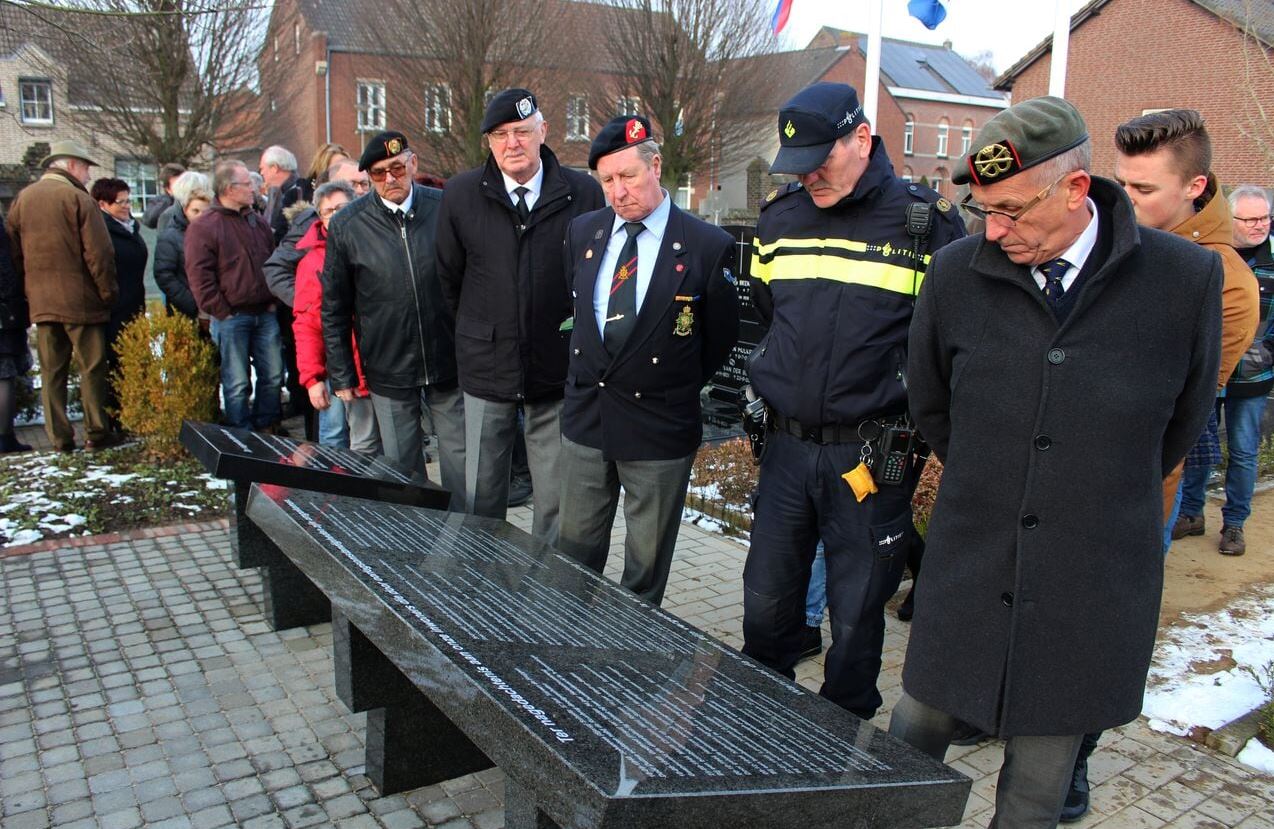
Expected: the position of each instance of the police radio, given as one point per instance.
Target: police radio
(894, 451)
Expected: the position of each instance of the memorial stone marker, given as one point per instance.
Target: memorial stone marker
(246, 457)
(721, 408)
(602, 709)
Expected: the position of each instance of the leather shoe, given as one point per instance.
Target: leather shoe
(812, 644)
(1076, 805)
(968, 735)
(1187, 525)
(520, 490)
(1232, 543)
(104, 442)
(908, 607)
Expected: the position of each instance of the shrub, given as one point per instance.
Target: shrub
(1265, 719)
(167, 373)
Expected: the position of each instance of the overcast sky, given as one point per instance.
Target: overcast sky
(1009, 30)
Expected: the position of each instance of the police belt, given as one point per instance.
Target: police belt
(834, 432)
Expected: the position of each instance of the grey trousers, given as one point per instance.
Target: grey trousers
(490, 427)
(364, 436)
(654, 494)
(1034, 778)
(403, 435)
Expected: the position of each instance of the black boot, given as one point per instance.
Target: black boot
(908, 607)
(813, 644)
(1076, 805)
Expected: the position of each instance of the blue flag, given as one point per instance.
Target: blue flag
(928, 12)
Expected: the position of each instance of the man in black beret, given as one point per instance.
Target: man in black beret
(500, 232)
(656, 313)
(836, 268)
(380, 283)
(1061, 364)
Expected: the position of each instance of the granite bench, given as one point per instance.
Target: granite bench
(470, 644)
(289, 599)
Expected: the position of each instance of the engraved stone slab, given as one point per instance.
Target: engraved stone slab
(602, 709)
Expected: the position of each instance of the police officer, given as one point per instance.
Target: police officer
(835, 263)
(656, 314)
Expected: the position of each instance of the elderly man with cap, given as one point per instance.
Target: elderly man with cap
(656, 314)
(1061, 365)
(837, 266)
(500, 233)
(380, 282)
(63, 255)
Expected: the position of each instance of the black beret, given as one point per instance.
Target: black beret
(382, 146)
(1020, 137)
(810, 123)
(620, 133)
(510, 105)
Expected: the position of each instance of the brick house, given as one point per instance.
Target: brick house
(40, 105)
(1207, 55)
(931, 103)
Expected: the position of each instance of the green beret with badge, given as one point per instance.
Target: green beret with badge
(1021, 137)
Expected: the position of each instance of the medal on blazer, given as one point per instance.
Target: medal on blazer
(685, 322)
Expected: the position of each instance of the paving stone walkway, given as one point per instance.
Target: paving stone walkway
(140, 686)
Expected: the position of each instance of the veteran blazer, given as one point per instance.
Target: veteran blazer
(643, 403)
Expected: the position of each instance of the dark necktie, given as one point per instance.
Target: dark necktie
(1053, 271)
(524, 212)
(621, 309)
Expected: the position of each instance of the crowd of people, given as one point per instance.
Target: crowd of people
(1067, 363)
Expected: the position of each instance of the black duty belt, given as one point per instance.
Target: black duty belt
(832, 432)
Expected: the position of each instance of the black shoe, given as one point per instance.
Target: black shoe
(10, 443)
(1076, 805)
(908, 607)
(968, 735)
(520, 491)
(813, 643)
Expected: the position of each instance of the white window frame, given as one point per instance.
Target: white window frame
(143, 183)
(966, 139)
(27, 97)
(944, 138)
(627, 105)
(438, 108)
(935, 184)
(909, 137)
(369, 102)
(577, 122)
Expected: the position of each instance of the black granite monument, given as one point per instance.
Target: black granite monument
(471, 643)
(721, 417)
(244, 457)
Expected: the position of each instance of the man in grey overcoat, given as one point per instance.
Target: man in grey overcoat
(1060, 365)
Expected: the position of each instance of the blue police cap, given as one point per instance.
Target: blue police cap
(810, 123)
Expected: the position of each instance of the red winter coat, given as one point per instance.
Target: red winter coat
(307, 320)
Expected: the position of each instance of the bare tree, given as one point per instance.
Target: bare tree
(984, 64)
(1257, 119)
(170, 77)
(687, 66)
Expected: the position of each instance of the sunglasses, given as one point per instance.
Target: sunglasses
(398, 170)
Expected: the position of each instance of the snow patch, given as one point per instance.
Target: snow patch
(1256, 755)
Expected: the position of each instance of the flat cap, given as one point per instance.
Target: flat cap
(620, 133)
(1020, 137)
(382, 146)
(68, 149)
(509, 105)
(810, 123)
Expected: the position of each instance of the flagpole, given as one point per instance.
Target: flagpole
(871, 83)
(1061, 48)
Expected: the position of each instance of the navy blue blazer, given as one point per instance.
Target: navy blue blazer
(643, 403)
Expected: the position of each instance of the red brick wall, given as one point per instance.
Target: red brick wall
(1196, 60)
(924, 160)
(291, 89)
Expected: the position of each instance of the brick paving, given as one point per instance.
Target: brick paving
(140, 686)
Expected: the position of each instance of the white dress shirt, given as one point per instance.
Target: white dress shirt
(648, 243)
(1076, 254)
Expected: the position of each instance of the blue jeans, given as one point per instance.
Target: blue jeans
(333, 430)
(250, 341)
(816, 596)
(1176, 510)
(1243, 436)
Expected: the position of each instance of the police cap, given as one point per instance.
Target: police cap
(810, 123)
(1020, 137)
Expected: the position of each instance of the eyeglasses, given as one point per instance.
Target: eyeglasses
(1254, 221)
(246, 183)
(398, 170)
(329, 212)
(128, 201)
(977, 211)
(520, 133)
(361, 185)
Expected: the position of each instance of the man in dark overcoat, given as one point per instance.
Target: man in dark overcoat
(1060, 365)
(656, 314)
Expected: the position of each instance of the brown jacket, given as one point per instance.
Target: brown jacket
(225, 253)
(1212, 227)
(63, 252)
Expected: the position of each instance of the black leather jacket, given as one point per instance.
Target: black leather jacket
(379, 279)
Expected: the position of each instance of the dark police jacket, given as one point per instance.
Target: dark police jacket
(643, 403)
(379, 278)
(842, 283)
(503, 283)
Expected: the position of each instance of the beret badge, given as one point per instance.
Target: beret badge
(635, 130)
(994, 161)
(393, 146)
(525, 107)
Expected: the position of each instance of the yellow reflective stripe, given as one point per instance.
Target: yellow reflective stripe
(853, 272)
(840, 244)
